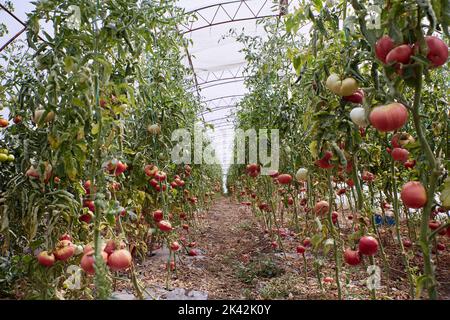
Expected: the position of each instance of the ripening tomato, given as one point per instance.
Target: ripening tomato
(174, 246)
(324, 162)
(437, 51)
(399, 154)
(88, 261)
(401, 139)
(164, 226)
(433, 224)
(356, 97)
(87, 217)
(367, 176)
(158, 215)
(383, 46)
(39, 113)
(3, 123)
(407, 243)
(65, 237)
(160, 176)
(111, 246)
(410, 164)
(343, 88)
(389, 117)
(368, 245)
(301, 249)
(150, 170)
(284, 178)
(154, 183)
(401, 54)
(306, 242)
(350, 183)
(302, 174)
(352, 257)
(193, 253)
(45, 259)
(32, 172)
(17, 119)
(334, 217)
(413, 195)
(89, 204)
(119, 260)
(321, 208)
(290, 201)
(64, 250)
(87, 186)
(116, 167)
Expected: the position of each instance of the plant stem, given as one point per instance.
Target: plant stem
(432, 184)
(333, 235)
(398, 233)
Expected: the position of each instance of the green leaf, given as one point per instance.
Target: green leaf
(69, 63)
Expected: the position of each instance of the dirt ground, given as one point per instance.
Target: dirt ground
(237, 261)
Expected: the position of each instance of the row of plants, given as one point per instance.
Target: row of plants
(363, 112)
(88, 186)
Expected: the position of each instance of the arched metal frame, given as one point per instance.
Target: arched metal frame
(243, 4)
(232, 17)
(14, 37)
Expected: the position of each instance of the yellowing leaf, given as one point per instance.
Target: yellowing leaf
(95, 129)
(445, 194)
(313, 149)
(54, 142)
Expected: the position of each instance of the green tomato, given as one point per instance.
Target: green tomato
(5, 151)
(11, 158)
(3, 157)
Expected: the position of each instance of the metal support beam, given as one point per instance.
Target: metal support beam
(25, 26)
(228, 9)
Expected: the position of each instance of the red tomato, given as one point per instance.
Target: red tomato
(383, 46)
(389, 117)
(400, 155)
(45, 259)
(413, 195)
(119, 260)
(301, 249)
(88, 260)
(284, 178)
(352, 257)
(437, 51)
(368, 246)
(64, 250)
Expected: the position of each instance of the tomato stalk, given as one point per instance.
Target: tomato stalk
(372, 291)
(305, 268)
(333, 236)
(376, 231)
(398, 232)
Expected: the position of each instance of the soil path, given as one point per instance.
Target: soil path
(226, 237)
